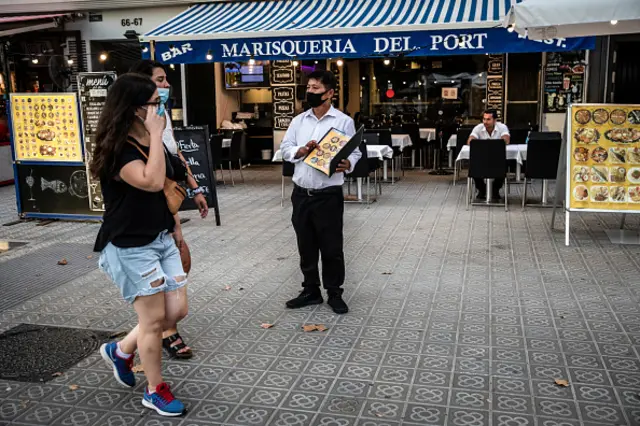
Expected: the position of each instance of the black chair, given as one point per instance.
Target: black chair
(417, 144)
(462, 136)
(287, 171)
(519, 135)
(543, 155)
(362, 170)
(215, 142)
(488, 160)
(234, 155)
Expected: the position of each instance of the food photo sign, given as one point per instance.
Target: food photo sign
(46, 127)
(604, 158)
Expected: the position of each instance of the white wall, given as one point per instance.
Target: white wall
(111, 28)
(553, 122)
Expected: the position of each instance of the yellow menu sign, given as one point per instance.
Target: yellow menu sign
(604, 157)
(46, 127)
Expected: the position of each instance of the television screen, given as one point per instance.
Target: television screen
(242, 75)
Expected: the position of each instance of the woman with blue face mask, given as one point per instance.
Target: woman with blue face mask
(136, 249)
(173, 342)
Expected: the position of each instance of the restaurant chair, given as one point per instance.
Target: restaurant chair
(375, 164)
(417, 144)
(487, 160)
(287, 171)
(385, 138)
(215, 142)
(462, 136)
(543, 156)
(362, 170)
(234, 155)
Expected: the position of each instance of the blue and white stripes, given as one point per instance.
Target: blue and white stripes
(273, 18)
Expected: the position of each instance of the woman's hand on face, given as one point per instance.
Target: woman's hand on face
(154, 123)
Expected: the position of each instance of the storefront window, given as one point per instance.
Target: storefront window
(447, 88)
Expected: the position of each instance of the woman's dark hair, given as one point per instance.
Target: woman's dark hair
(128, 93)
(146, 67)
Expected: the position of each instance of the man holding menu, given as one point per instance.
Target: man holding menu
(318, 202)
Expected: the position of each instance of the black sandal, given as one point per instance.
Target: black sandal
(174, 349)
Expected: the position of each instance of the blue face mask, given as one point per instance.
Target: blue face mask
(164, 97)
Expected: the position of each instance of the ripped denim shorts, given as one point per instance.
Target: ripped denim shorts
(134, 269)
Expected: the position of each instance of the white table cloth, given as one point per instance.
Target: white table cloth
(514, 152)
(401, 141)
(428, 134)
(452, 143)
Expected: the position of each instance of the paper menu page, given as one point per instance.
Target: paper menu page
(328, 147)
(604, 157)
(46, 127)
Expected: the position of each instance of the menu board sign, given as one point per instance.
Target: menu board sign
(564, 80)
(284, 93)
(495, 84)
(604, 158)
(92, 88)
(46, 127)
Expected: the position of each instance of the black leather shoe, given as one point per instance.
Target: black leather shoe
(305, 298)
(337, 304)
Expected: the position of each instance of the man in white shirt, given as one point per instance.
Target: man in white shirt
(318, 202)
(490, 129)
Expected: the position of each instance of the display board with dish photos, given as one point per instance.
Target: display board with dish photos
(46, 127)
(603, 158)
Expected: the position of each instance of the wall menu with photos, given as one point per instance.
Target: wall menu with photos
(604, 158)
(46, 127)
(284, 93)
(92, 88)
(564, 80)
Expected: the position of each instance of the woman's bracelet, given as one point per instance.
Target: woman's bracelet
(198, 190)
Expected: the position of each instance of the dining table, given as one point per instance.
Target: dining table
(517, 152)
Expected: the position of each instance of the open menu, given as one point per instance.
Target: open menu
(604, 157)
(46, 127)
(334, 147)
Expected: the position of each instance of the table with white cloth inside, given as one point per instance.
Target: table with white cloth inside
(428, 134)
(451, 146)
(401, 141)
(514, 152)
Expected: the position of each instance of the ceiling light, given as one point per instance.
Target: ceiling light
(387, 61)
(340, 62)
(252, 61)
(296, 63)
(364, 78)
(315, 62)
(172, 66)
(103, 56)
(209, 55)
(374, 78)
(614, 22)
(511, 28)
(34, 60)
(145, 49)
(70, 61)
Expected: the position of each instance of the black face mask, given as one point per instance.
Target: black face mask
(315, 99)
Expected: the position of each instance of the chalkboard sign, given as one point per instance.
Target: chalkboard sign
(495, 84)
(282, 73)
(92, 88)
(284, 94)
(193, 143)
(563, 80)
(53, 189)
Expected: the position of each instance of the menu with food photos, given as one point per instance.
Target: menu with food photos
(334, 147)
(46, 127)
(604, 157)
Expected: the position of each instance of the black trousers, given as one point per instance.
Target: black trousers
(482, 186)
(317, 220)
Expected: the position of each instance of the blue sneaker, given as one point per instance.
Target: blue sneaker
(163, 401)
(121, 367)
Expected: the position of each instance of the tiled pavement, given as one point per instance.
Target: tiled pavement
(457, 318)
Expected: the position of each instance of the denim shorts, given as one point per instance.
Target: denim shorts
(134, 269)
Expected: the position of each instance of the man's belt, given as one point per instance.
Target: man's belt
(336, 189)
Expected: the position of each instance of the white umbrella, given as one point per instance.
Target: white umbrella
(546, 19)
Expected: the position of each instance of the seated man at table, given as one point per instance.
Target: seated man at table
(489, 129)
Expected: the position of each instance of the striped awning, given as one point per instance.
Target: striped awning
(278, 18)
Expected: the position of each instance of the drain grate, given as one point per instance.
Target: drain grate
(37, 272)
(36, 353)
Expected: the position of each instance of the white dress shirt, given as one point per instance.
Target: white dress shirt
(499, 130)
(306, 127)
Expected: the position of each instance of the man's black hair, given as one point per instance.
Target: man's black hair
(146, 67)
(327, 78)
(493, 113)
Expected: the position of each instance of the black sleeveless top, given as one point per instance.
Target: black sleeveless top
(133, 217)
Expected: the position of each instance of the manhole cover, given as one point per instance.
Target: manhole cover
(35, 353)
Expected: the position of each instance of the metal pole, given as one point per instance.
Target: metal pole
(545, 191)
(566, 227)
(183, 85)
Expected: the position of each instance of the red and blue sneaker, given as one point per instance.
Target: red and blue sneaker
(163, 401)
(121, 366)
